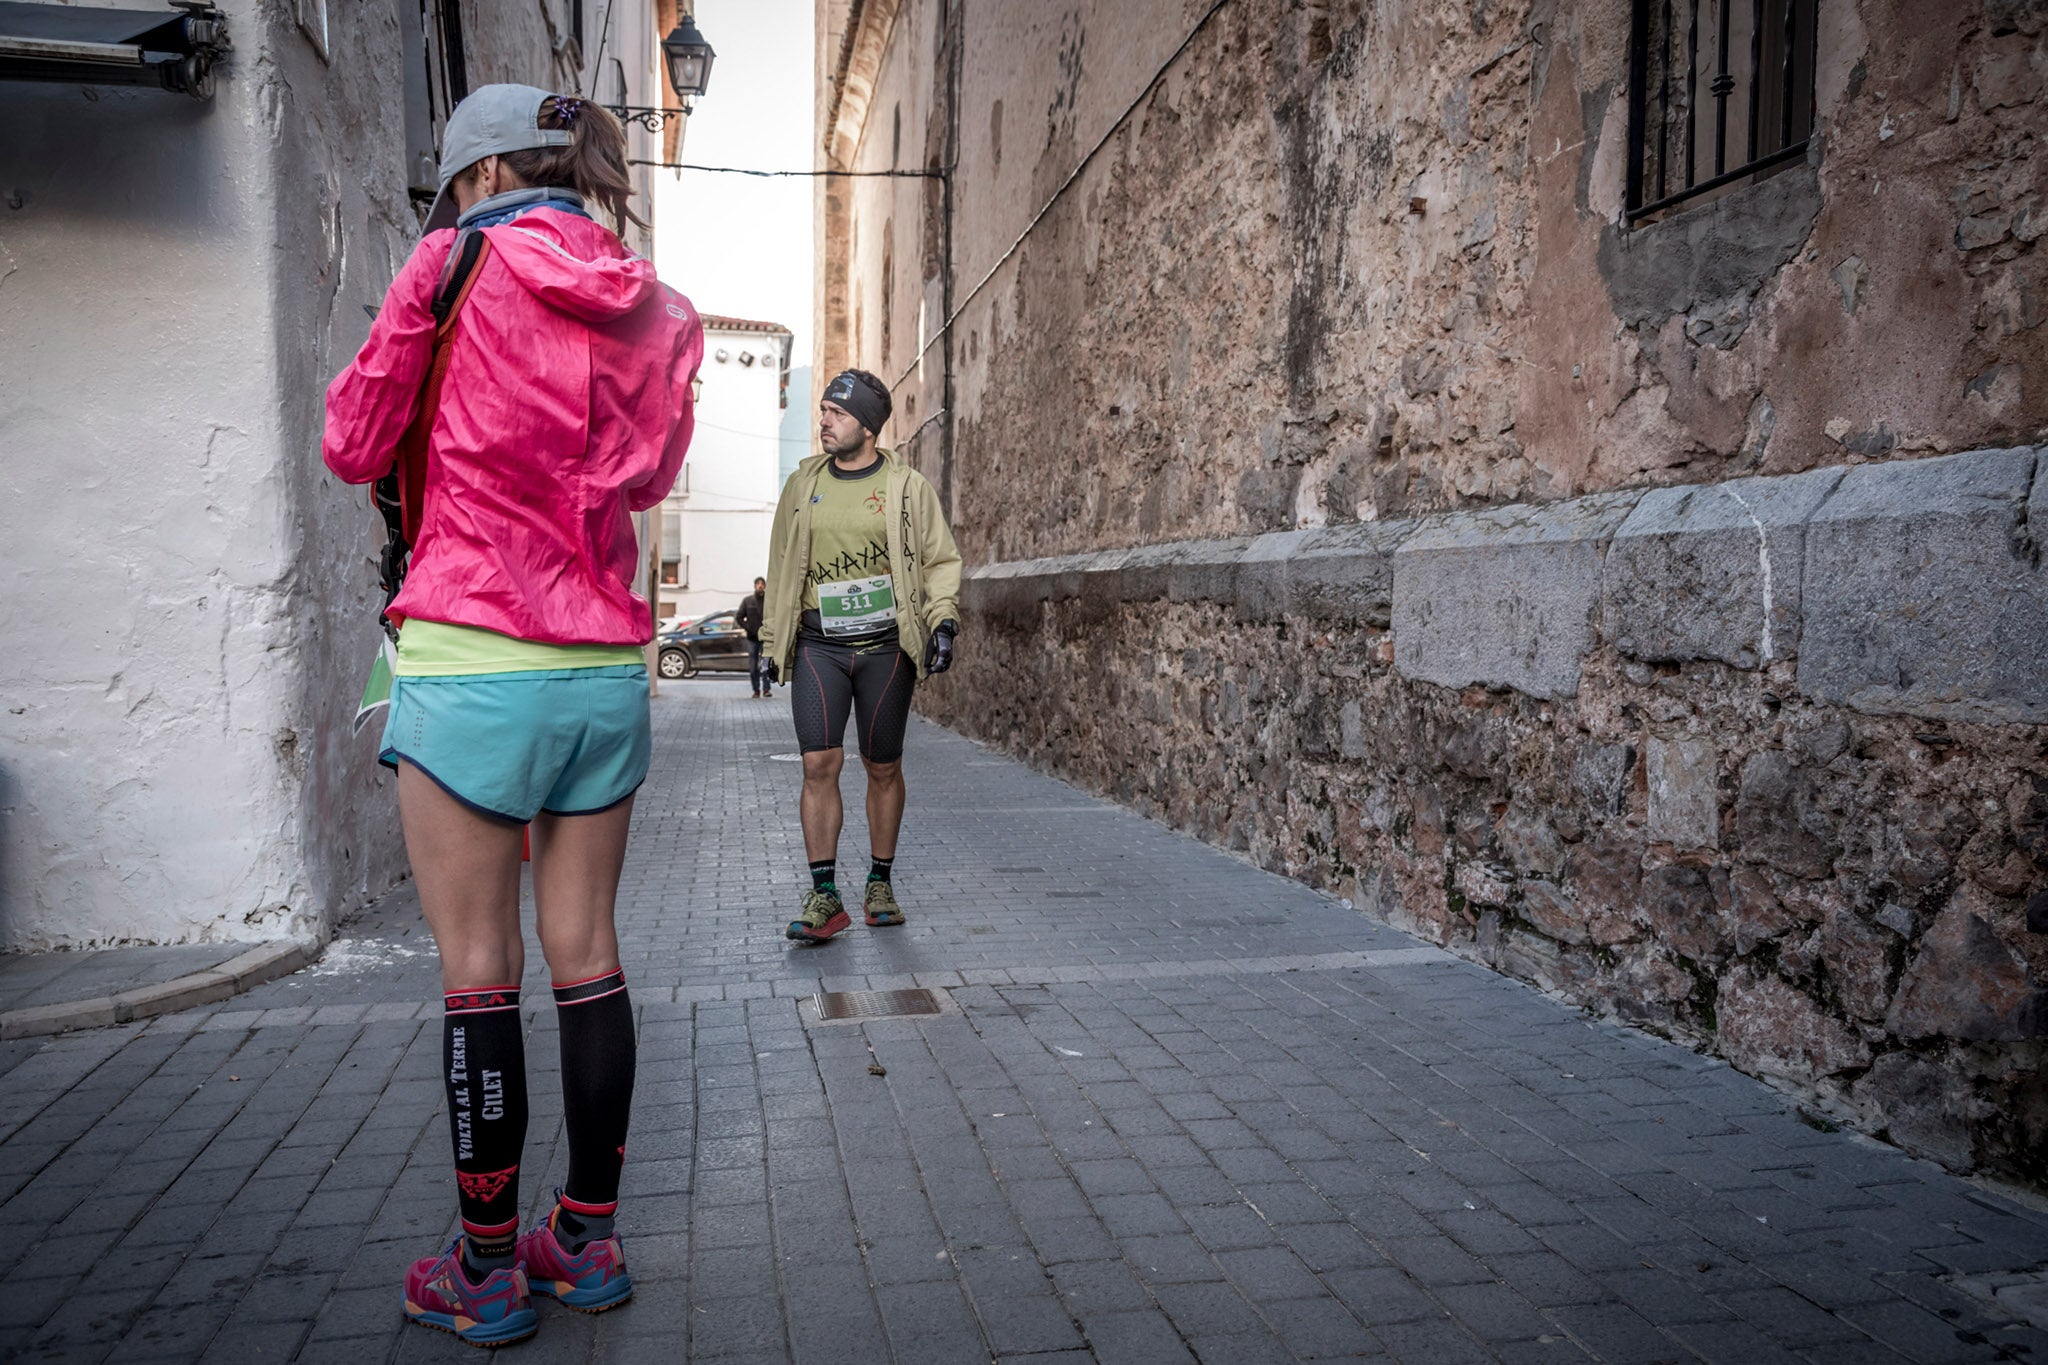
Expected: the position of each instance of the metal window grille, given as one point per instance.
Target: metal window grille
(1719, 91)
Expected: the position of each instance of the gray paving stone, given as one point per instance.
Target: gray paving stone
(1432, 1342)
(1270, 1274)
(931, 1322)
(1555, 1350)
(1321, 1329)
(1143, 1335)
(1171, 1260)
(1493, 1312)
(1731, 1343)
(1261, 1349)
(1019, 1310)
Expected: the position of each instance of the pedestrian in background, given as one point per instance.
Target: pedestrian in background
(863, 600)
(521, 690)
(748, 618)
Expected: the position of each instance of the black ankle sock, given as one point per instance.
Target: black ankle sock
(879, 872)
(822, 874)
(598, 1054)
(576, 1231)
(477, 1265)
(483, 1065)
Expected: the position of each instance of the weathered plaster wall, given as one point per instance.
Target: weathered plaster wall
(1608, 658)
(149, 521)
(193, 597)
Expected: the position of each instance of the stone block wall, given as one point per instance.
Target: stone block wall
(1757, 764)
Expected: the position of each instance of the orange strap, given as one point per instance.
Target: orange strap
(412, 447)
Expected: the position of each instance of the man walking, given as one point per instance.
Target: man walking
(863, 600)
(748, 619)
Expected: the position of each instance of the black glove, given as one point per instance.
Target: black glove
(938, 651)
(769, 671)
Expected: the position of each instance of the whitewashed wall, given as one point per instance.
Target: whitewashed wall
(191, 594)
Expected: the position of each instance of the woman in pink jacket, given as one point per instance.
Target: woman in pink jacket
(521, 696)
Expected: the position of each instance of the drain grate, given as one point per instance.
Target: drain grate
(1016, 870)
(874, 1004)
(1075, 895)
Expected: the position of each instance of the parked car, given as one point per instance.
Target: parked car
(715, 644)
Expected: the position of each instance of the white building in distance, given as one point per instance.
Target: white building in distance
(714, 534)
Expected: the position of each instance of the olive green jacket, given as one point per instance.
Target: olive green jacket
(923, 557)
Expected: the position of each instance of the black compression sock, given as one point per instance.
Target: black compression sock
(879, 872)
(483, 1064)
(822, 874)
(598, 1055)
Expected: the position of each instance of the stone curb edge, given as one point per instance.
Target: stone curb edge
(264, 962)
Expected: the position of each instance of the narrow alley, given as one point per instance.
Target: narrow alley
(1172, 1108)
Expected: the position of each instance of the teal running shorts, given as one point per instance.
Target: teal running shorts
(569, 741)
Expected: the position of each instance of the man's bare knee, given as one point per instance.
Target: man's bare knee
(822, 765)
(884, 774)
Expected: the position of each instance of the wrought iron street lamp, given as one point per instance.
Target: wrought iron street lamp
(688, 59)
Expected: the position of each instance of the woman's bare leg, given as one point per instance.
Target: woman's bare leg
(466, 867)
(576, 865)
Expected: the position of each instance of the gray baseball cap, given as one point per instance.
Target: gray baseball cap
(494, 120)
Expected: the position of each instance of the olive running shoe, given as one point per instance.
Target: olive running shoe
(497, 1312)
(882, 909)
(590, 1280)
(821, 917)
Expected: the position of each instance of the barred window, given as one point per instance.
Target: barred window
(1720, 92)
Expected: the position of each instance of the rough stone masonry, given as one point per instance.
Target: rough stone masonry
(1650, 608)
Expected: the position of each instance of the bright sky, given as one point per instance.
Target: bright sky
(737, 244)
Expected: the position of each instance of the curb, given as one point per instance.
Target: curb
(264, 962)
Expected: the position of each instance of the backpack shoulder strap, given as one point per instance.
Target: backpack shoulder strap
(401, 494)
(465, 262)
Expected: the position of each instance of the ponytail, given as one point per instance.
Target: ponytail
(593, 164)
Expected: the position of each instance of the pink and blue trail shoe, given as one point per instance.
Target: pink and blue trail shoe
(497, 1312)
(590, 1280)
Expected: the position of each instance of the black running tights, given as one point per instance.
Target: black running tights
(828, 681)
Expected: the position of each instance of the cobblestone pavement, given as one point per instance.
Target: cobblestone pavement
(1176, 1109)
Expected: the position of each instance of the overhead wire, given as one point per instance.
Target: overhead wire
(935, 173)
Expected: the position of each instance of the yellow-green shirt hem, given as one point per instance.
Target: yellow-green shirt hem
(441, 649)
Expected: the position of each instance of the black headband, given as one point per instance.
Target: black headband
(866, 400)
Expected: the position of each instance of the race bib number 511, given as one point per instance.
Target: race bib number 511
(857, 606)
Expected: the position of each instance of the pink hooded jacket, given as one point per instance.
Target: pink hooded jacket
(566, 406)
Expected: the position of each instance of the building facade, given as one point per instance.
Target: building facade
(1564, 475)
(715, 524)
(194, 599)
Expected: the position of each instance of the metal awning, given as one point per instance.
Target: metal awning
(80, 46)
